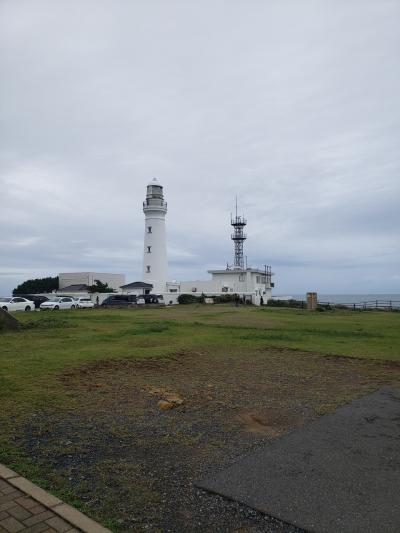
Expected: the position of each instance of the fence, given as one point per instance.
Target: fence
(385, 305)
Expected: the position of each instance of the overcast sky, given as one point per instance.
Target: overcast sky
(291, 105)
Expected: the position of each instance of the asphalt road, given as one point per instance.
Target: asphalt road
(340, 473)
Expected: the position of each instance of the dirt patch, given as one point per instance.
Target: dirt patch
(131, 460)
(272, 422)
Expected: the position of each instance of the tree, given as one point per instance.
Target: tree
(38, 285)
(98, 286)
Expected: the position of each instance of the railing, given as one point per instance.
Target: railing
(370, 304)
(155, 203)
(383, 305)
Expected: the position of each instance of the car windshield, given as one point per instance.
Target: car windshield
(85, 299)
(5, 299)
(55, 300)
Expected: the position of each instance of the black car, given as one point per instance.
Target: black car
(120, 300)
(37, 299)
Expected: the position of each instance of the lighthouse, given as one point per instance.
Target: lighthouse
(155, 265)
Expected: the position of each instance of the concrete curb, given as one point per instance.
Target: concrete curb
(65, 511)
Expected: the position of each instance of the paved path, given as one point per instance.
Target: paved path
(338, 473)
(26, 507)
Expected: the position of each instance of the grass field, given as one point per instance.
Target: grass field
(92, 378)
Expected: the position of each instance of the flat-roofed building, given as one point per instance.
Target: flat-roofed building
(114, 281)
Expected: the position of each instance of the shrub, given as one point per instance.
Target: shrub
(287, 303)
(225, 298)
(188, 299)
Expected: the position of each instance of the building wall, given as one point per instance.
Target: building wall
(245, 282)
(73, 278)
(156, 259)
(186, 287)
(233, 281)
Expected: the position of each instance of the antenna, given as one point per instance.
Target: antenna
(238, 237)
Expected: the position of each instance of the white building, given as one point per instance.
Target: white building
(252, 283)
(155, 265)
(137, 287)
(71, 280)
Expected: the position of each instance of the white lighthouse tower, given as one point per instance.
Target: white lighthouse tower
(155, 265)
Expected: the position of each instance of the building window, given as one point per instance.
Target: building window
(148, 268)
(149, 249)
(149, 229)
(173, 290)
(242, 277)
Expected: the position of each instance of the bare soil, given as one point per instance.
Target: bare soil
(133, 459)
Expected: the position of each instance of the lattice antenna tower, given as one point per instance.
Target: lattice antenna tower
(238, 236)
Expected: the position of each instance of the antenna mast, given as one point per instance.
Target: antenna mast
(238, 237)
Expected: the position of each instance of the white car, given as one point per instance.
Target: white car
(16, 304)
(84, 303)
(59, 302)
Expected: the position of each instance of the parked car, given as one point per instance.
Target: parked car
(120, 300)
(16, 303)
(84, 303)
(59, 302)
(37, 299)
(150, 299)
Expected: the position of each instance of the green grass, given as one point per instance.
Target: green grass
(50, 342)
(33, 359)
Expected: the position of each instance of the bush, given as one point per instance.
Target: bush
(226, 298)
(98, 286)
(299, 304)
(188, 299)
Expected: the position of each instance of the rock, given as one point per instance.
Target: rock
(8, 320)
(167, 396)
(157, 391)
(165, 405)
(174, 398)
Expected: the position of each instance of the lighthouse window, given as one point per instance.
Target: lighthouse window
(148, 268)
(148, 229)
(149, 249)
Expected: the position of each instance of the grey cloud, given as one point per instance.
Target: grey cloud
(293, 106)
